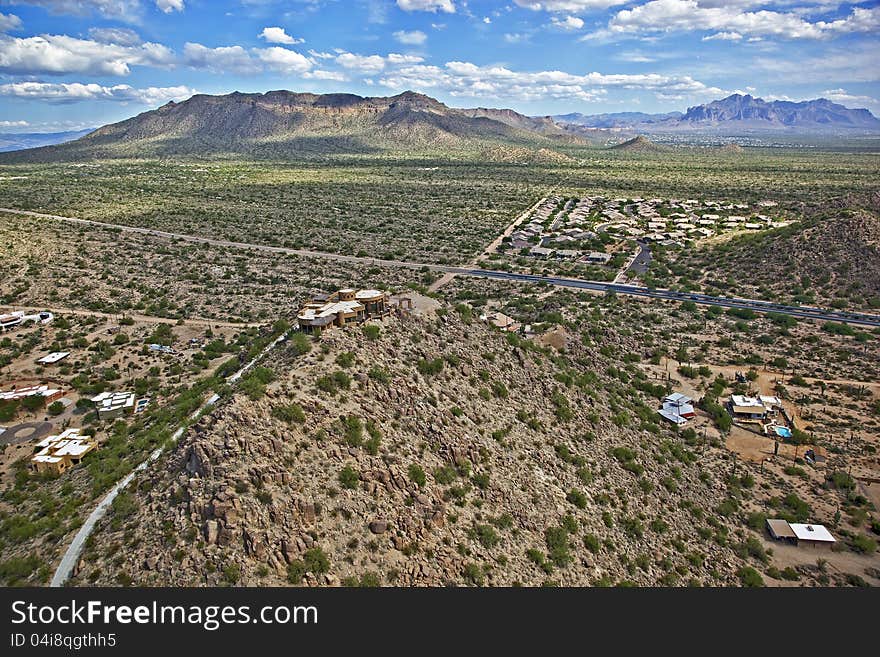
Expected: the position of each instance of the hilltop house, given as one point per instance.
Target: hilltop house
(341, 307)
(55, 454)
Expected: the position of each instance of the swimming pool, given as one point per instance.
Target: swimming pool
(783, 432)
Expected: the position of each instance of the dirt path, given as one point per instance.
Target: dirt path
(489, 250)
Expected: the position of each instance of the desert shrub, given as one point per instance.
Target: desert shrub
(473, 573)
(445, 474)
(348, 477)
(379, 374)
(863, 544)
(290, 413)
(354, 430)
(485, 535)
(231, 573)
(296, 570)
(577, 498)
(750, 577)
(430, 367)
(316, 561)
(559, 551)
(591, 542)
(416, 474)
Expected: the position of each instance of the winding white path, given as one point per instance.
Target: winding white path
(74, 550)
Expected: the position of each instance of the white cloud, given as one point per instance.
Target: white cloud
(469, 80)
(119, 35)
(59, 54)
(567, 24)
(396, 59)
(170, 5)
(568, 6)
(370, 64)
(283, 60)
(447, 6)
(636, 57)
(516, 37)
(9, 22)
(219, 60)
(278, 35)
(236, 59)
(851, 100)
(860, 20)
(413, 38)
(723, 36)
(320, 74)
(854, 63)
(362, 63)
(122, 9)
(665, 16)
(76, 92)
(14, 124)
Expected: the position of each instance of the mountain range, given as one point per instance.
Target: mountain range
(284, 124)
(16, 141)
(739, 114)
(287, 124)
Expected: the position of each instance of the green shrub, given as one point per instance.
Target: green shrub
(577, 498)
(371, 331)
(290, 413)
(296, 570)
(316, 561)
(863, 544)
(430, 367)
(485, 535)
(348, 477)
(750, 577)
(417, 475)
(591, 542)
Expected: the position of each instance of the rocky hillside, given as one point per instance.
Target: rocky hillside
(286, 124)
(438, 452)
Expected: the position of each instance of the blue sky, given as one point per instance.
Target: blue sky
(66, 64)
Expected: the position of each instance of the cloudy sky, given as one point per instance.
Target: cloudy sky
(67, 64)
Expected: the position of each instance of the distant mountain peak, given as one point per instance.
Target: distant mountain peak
(742, 113)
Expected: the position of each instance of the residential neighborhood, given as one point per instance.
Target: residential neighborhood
(567, 228)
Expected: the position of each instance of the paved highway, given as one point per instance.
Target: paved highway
(804, 312)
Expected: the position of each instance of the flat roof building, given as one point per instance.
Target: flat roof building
(812, 534)
(54, 357)
(50, 394)
(747, 408)
(55, 454)
(799, 533)
(111, 405)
